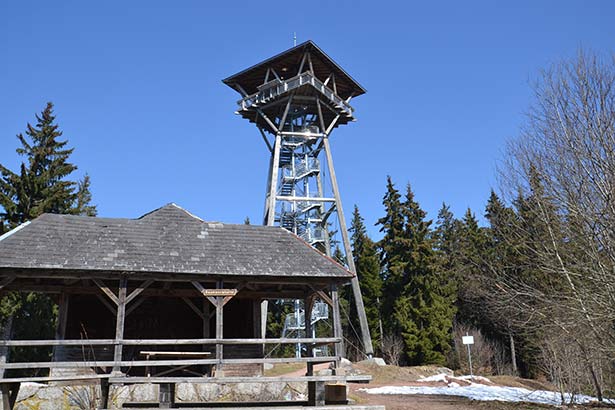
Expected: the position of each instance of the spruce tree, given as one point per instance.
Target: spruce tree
(418, 302)
(391, 246)
(42, 183)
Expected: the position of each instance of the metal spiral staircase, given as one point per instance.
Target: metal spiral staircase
(301, 178)
(294, 324)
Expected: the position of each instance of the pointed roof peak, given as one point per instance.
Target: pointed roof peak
(170, 208)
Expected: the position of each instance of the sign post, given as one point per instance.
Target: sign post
(468, 340)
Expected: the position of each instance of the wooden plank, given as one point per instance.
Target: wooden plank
(54, 379)
(158, 363)
(107, 291)
(240, 379)
(107, 363)
(163, 342)
(172, 353)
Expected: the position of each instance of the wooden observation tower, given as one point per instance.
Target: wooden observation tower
(296, 99)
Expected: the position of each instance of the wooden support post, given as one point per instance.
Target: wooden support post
(104, 393)
(206, 329)
(119, 324)
(316, 393)
(356, 288)
(7, 330)
(273, 182)
(264, 309)
(219, 330)
(308, 305)
(9, 395)
(61, 326)
(337, 326)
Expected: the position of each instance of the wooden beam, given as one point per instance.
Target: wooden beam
(267, 120)
(105, 302)
(337, 324)
(322, 295)
(219, 331)
(309, 58)
(241, 90)
(138, 290)
(134, 306)
(202, 290)
(194, 308)
(308, 304)
(167, 342)
(242, 379)
(6, 281)
(302, 63)
(173, 293)
(119, 324)
(107, 291)
(61, 322)
(356, 288)
(206, 318)
(269, 147)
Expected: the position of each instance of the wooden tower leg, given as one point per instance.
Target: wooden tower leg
(356, 288)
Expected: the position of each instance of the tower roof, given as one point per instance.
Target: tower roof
(288, 62)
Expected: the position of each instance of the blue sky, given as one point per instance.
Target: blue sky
(137, 91)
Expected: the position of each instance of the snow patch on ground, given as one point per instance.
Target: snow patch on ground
(435, 378)
(484, 390)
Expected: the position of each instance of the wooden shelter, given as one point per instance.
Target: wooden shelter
(165, 298)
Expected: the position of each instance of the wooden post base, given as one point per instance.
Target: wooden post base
(316, 393)
(104, 393)
(9, 395)
(166, 396)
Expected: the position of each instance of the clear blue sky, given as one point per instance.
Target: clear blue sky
(137, 91)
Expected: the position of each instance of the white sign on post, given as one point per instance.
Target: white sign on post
(467, 340)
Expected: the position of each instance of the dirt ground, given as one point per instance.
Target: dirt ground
(400, 376)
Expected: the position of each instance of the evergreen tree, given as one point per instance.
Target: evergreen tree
(419, 298)
(367, 263)
(391, 247)
(41, 185)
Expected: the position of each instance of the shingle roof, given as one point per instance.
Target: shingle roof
(167, 240)
(250, 78)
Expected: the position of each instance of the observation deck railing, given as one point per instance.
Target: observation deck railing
(276, 88)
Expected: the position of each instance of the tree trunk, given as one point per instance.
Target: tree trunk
(513, 354)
